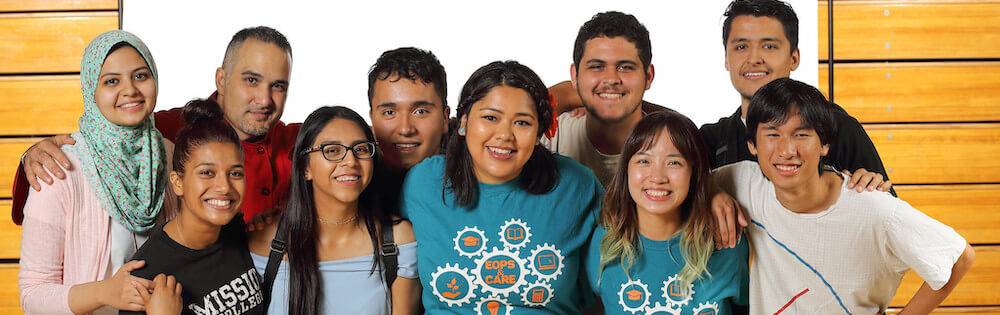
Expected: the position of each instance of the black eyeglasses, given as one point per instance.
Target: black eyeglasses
(335, 152)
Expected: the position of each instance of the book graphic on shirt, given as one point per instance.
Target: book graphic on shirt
(634, 297)
(514, 271)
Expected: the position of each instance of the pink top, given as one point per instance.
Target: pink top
(65, 241)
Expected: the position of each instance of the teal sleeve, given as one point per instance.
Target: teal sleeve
(590, 277)
(592, 253)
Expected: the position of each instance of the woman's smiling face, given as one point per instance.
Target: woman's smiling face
(344, 179)
(126, 90)
(501, 133)
(212, 185)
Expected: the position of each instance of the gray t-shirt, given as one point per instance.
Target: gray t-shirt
(849, 258)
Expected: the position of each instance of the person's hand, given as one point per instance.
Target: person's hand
(862, 180)
(578, 112)
(262, 220)
(122, 291)
(730, 220)
(46, 155)
(166, 296)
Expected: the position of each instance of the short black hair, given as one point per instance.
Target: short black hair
(539, 175)
(775, 102)
(614, 24)
(413, 64)
(261, 33)
(777, 9)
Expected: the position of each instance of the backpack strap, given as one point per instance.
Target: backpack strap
(390, 254)
(273, 261)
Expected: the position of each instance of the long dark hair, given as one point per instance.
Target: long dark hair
(539, 174)
(299, 218)
(619, 217)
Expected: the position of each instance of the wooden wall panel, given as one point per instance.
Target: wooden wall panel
(49, 42)
(56, 5)
(10, 154)
(978, 287)
(10, 234)
(917, 92)
(40, 105)
(919, 29)
(10, 302)
(972, 210)
(939, 153)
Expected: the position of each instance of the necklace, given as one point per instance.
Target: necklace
(180, 233)
(338, 222)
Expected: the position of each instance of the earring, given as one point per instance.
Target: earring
(461, 131)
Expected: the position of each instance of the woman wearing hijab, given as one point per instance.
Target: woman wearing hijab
(78, 232)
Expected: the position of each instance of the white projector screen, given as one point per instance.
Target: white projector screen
(334, 43)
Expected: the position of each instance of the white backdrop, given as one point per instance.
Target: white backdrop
(334, 44)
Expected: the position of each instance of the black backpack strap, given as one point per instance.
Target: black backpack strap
(273, 261)
(390, 254)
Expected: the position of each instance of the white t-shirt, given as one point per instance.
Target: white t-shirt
(849, 258)
(571, 141)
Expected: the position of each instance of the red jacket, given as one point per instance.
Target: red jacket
(267, 163)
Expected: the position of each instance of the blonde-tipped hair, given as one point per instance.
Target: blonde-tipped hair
(619, 217)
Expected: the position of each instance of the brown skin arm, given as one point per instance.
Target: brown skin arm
(926, 299)
(46, 157)
(566, 97)
(405, 291)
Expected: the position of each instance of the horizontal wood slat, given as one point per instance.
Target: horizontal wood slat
(972, 210)
(917, 92)
(49, 42)
(939, 153)
(10, 154)
(912, 29)
(10, 302)
(56, 5)
(978, 287)
(10, 233)
(40, 105)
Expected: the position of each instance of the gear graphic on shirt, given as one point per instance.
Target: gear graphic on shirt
(453, 296)
(630, 291)
(515, 234)
(494, 305)
(497, 278)
(676, 294)
(710, 308)
(546, 262)
(470, 241)
(537, 294)
(660, 309)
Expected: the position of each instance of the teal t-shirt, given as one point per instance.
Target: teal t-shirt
(510, 253)
(655, 287)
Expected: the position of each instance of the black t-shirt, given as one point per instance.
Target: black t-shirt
(219, 279)
(851, 149)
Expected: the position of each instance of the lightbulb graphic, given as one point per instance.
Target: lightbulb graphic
(493, 307)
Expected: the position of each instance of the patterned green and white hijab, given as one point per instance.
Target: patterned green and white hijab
(124, 165)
